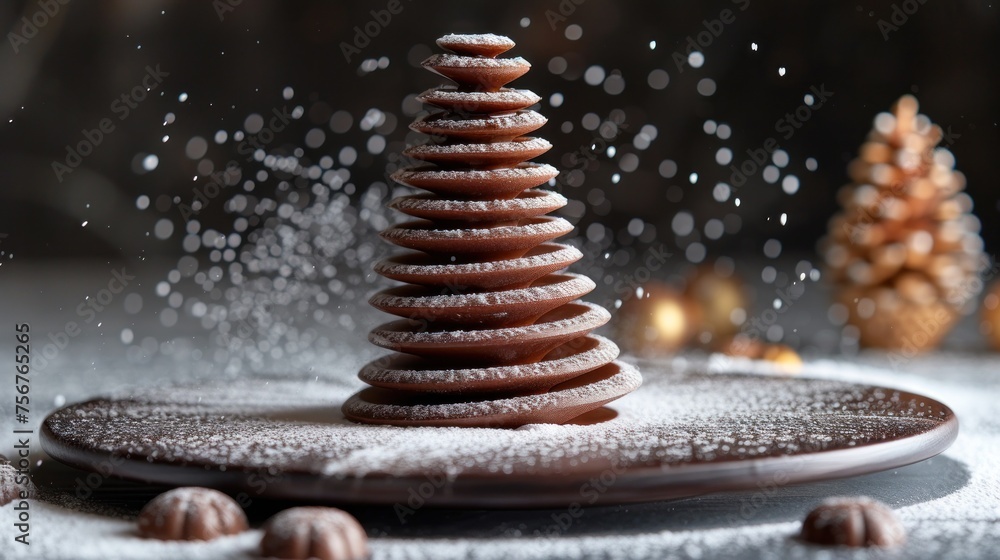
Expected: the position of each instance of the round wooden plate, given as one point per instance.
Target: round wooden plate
(679, 435)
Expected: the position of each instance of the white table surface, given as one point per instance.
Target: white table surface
(950, 505)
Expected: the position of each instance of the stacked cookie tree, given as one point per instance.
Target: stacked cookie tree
(492, 334)
(905, 253)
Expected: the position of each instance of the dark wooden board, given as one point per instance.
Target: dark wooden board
(679, 435)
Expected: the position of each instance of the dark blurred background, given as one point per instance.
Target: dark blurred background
(233, 59)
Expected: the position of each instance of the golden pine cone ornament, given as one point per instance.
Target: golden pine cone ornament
(905, 253)
(989, 323)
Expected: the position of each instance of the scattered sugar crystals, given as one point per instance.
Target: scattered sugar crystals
(289, 266)
(300, 231)
(677, 418)
(292, 262)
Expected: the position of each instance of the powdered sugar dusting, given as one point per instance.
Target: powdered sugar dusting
(535, 227)
(457, 61)
(518, 146)
(564, 253)
(625, 381)
(677, 418)
(587, 316)
(489, 39)
(961, 523)
(327, 531)
(530, 199)
(490, 123)
(603, 352)
(63, 533)
(524, 170)
(191, 513)
(505, 96)
(573, 285)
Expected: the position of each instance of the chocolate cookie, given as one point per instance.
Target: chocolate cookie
(14, 485)
(191, 514)
(855, 522)
(314, 532)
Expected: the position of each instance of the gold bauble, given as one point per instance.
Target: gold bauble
(782, 356)
(718, 297)
(656, 319)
